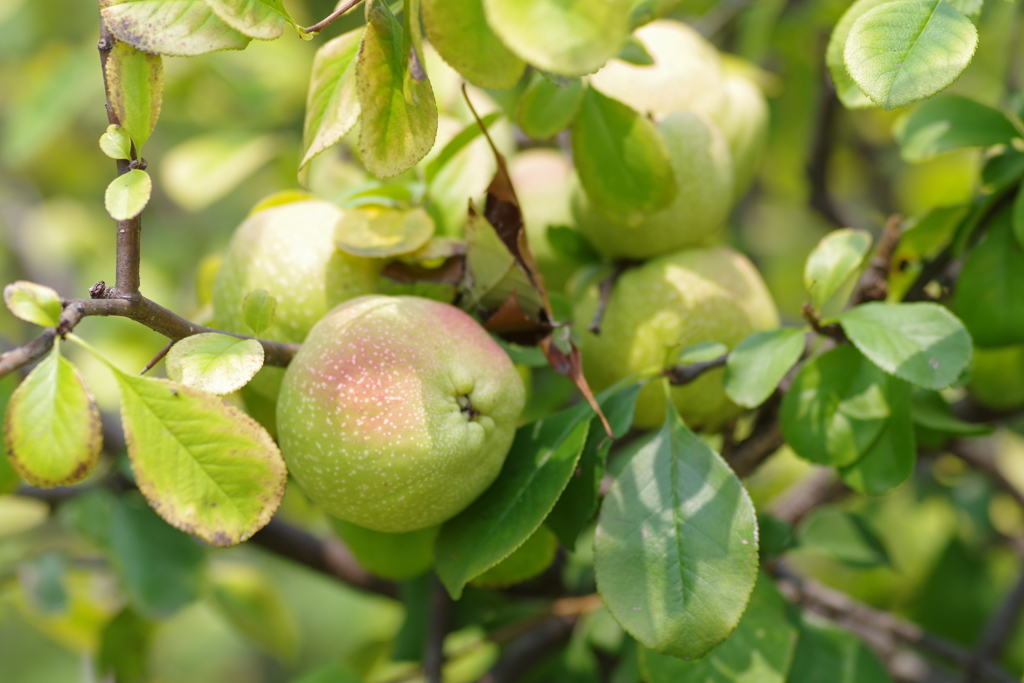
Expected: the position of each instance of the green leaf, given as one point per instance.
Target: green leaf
(170, 27)
(124, 647)
(836, 407)
(36, 304)
(204, 465)
(260, 19)
(759, 362)
(392, 556)
(758, 651)
(844, 536)
(253, 604)
(135, 81)
(646, 11)
(571, 245)
(837, 257)
(128, 194)
(331, 673)
(566, 38)
(675, 553)
(634, 52)
(951, 122)
(931, 413)
(1003, 170)
(456, 145)
(699, 353)
(52, 428)
(115, 143)
(459, 32)
(823, 651)
(922, 343)
(890, 460)
(542, 459)
(399, 115)
(201, 170)
(525, 562)
(621, 160)
(1018, 218)
(215, 363)
(378, 231)
(990, 289)
(902, 52)
(849, 94)
(332, 106)
(259, 309)
(545, 109)
(42, 581)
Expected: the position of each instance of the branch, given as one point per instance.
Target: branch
(818, 488)
(531, 649)
(604, 292)
(679, 375)
(874, 283)
(821, 153)
(336, 14)
(764, 439)
(998, 632)
(438, 625)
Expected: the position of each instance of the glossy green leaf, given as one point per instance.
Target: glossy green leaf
(844, 536)
(459, 32)
(950, 122)
(837, 257)
(115, 143)
(675, 553)
(826, 653)
(922, 343)
(537, 469)
(890, 460)
(125, 646)
(135, 81)
(846, 90)
(759, 362)
(260, 19)
(253, 604)
(621, 160)
(545, 109)
(201, 170)
(378, 231)
(259, 309)
(332, 105)
(392, 556)
(836, 407)
(525, 562)
(33, 303)
(52, 428)
(214, 363)
(204, 465)
(128, 194)
(901, 52)
(458, 143)
(990, 290)
(760, 650)
(170, 27)
(399, 115)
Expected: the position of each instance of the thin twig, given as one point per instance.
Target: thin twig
(998, 632)
(604, 293)
(874, 283)
(157, 358)
(766, 438)
(679, 375)
(821, 154)
(818, 488)
(336, 14)
(438, 625)
(530, 649)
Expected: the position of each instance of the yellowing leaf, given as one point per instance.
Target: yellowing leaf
(332, 106)
(128, 194)
(214, 363)
(170, 27)
(203, 169)
(377, 231)
(115, 143)
(36, 304)
(135, 80)
(260, 19)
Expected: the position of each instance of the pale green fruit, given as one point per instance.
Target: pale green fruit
(397, 412)
(743, 119)
(997, 377)
(525, 562)
(712, 294)
(703, 172)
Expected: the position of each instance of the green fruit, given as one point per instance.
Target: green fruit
(525, 562)
(397, 412)
(712, 294)
(390, 556)
(997, 377)
(703, 172)
(743, 120)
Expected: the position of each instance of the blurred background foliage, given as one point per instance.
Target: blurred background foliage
(106, 574)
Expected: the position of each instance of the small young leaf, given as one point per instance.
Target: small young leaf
(849, 94)
(525, 562)
(836, 258)
(545, 109)
(204, 465)
(124, 647)
(890, 460)
(823, 650)
(115, 143)
(253, 604)
(259, 309)
(52, 429)
(902, 52)
(332, 106)
(990, 289)
(759, 362)
(36, 304)
(135, 81)
(459, 32)
(699, 353)
(376, 231)
(128, 194)
(621, 159)
(950, 122)
(399, 115)
(844, 536)
(215, 363)
(260, 19)
(569, 39)
(922, 343)
(170, 27)
(634, 52)
(392, 556)
(675, 553)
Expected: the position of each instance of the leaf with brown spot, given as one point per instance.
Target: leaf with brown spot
(135, 80)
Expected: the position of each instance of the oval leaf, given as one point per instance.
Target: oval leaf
(951, 122)
(204, 465)
(459, 32)
(253, 604)
(399, 115)
(530, 559)
(332, 106)
(128, 194)
(115, 143)
(170, 27)
(135, 81)
(36, 304)
(376, 231)
(546, 109)
(392, 556)
(52, 429)
(259, 310)
(844, 536)
(890, 460)
(990, 290)
(922, 343)
(565, 38)
(849, 94)
(902, 52)
(621, 160)
(203, 169)
(675, 552)
(260, 19)
(214, 363)
(837, 256)
(759, 362)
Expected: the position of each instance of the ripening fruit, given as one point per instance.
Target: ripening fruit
(397, 412)
(712, 294)
(743, 119)
(703, 172)
(997, 377)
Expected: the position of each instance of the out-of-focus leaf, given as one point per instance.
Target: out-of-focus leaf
(203, 169)
(759, 362)
(377, 231)
(330, 673)
(545, 109)
(837, 257)
(128, 194)
(170, 27)
(19, 513)
(42, 578)
(124, 647)
(822, 651)
(457, 144)
(392, 556)
(115, 143)
(844, 536)
(849, 94)
(135, 81)
(571, 244)
(950, 122)
(252, 603)
(259, 309)
(459, 32)
(215, 363)
(260, 19)
(634, 52)
(525, 562)
(890, 460)
(990, 289)
(33, 303)
(930, 412)
(645, 11)
(332, 106)
(699, 353)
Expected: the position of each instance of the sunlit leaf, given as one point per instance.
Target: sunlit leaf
(759, 362)
(201, 170)
(459, 32)
(837, 257)
(170, 27)
(332, 106)
(115, 143)
(128, 194)
(36, 304)
(135, 80)
(214, 363)
(376, 231)
(950, 122)
(260, 19)
(849, 94)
